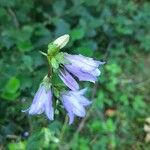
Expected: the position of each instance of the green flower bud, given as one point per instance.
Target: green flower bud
(62, 41)
(52, 49)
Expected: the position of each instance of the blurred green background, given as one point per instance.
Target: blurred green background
(115, 31)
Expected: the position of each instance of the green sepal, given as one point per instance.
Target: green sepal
(54, 63)
(60, 57)
(46, 82)
(52, 49)
(57, 60)
(56, 92)
(63, 60)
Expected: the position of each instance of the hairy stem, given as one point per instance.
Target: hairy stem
(63, 131)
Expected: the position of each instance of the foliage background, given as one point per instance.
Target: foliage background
(116, 31)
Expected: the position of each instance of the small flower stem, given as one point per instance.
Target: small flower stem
(63, 131)
(50, 71)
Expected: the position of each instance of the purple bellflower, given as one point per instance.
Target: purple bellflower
(74, 102)
(69, 68)
(42, 102)
(84, 68)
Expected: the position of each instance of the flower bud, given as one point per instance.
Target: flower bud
(62, 41)
(52, 50)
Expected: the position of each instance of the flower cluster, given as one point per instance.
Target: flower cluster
(69, 68)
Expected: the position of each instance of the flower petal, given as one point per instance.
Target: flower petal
(78, 95)
(84, 101)
(49, 111)
(69, 110)
(37, 107)
(69, 80)
(84, 63)
(75, 106)
(96, 72)
(82, 76)
(74, 102)
(81, 92)
(71, 117)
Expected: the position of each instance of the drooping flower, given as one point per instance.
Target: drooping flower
(84, 68)
(42, 102)
(74, 102)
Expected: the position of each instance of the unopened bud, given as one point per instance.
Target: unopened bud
(146, 128)
(62, 41)
(148, 120)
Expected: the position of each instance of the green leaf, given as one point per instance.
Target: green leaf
(95, 126)
(56, 80)
(24, 46)
(59, 10)
(92, 3)
(26, 82)
(17, 146)
(12, 85)
(11, 88)
(110, 125)
(62, 27)
(10, 96)
(77, 34)
(85, 51)
(8, 3)
(28, 62)
(138, 103)
(41, 139)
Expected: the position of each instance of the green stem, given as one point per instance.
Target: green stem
(50, 71)
(63, 131)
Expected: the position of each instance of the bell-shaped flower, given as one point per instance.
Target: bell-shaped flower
(84, 68)
(74, 102)
(42, 102)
